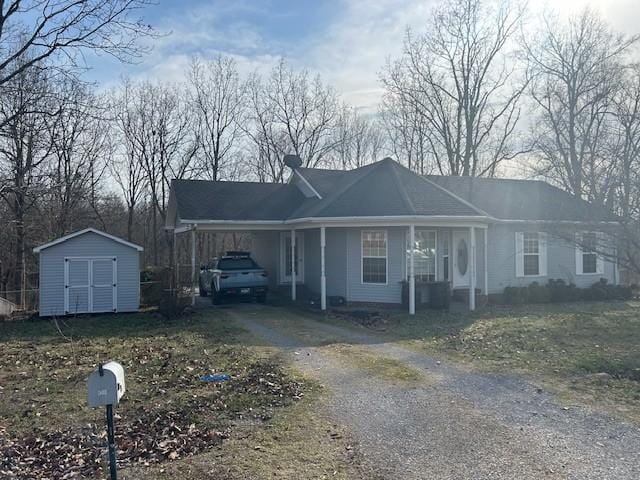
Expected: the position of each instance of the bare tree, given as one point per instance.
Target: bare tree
(576, 69)
(157, 127)
(625, 148)
(359, 139)
(409, 136)
(218, 103)
(290, 113)
(25, 144)
(80, 143)
(461, 77)
(32, 31)
(126, 168)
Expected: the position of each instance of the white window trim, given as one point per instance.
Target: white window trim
(447, 256)
(386, 256)
(542, 255)
(580, 259)
(406, 240)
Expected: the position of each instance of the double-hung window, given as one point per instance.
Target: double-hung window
(424, 255)
(531, 254)
(587, 259)
(374, 256)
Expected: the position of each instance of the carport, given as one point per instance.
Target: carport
(273, 247)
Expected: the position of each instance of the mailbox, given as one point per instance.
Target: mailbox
(106, 385)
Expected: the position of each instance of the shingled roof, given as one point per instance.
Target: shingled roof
(207, 200)
(384, 188)
(511, 199)
(381, 189)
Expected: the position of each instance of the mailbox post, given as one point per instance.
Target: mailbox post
(106, 387)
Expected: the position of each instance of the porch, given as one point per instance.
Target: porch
(361, 262)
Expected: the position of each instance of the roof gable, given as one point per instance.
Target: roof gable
(83, 232)
(383, 188)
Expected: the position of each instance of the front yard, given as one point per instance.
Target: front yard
(269, 421)
(586, 352)
(169, 421)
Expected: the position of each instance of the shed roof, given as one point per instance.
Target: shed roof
(82, 232)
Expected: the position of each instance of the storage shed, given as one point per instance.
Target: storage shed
(89, 272)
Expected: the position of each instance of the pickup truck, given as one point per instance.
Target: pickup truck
(235, 274)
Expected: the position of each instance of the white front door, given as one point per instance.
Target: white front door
(285, 257)
(461, 258)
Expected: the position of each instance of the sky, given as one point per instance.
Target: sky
(347, 42)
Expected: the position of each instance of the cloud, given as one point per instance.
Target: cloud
(347, 42)
(353, 51)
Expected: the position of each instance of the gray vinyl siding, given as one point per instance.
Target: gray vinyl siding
(312, 259)
(561, 260)
(335, 260)
(88, 245)
(265, 249)
(391, 292)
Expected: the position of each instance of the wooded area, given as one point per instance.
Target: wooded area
(470, 95)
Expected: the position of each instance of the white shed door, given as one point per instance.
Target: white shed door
(76, 298)
(90, 285)
(103, 285)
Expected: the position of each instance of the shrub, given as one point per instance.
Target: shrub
(172, 305)
(560, 291)
(538, 293)
(516, 295)
(155, 281)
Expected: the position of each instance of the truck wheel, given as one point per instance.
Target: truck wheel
(262, 298)
(215, 296)
(201, 289)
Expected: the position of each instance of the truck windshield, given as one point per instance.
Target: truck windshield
(236, 264)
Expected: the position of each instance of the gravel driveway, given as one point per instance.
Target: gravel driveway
(454, 424)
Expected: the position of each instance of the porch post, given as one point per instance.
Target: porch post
(412, 277)
(486, 264)
(193, 265)
(293, 265)
(472, 270)
(323, 278)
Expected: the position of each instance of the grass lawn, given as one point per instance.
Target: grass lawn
(587, 352)
(169, 421)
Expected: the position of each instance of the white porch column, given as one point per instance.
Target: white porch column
(486, 263)
(472, 270)
(293, 265)
(323, 278)
(412, 277)
(193, 266)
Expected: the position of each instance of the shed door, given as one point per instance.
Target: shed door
(103, 285)
(76, 298)
(90, 285)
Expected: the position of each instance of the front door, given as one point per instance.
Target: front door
(285, 257)
(461, 258)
